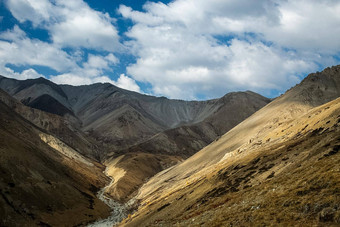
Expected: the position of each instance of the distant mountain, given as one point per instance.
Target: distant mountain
(277, 167)
(119, 119)
(188, 139)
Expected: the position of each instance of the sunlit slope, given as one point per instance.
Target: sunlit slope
(282, 123)
(132, 170)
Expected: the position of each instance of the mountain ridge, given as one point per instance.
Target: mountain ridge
(94, 107)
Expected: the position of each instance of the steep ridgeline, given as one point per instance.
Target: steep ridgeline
(44, 182)
(119, 119)
(278, 167)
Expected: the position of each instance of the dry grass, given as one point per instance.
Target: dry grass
(291, 180)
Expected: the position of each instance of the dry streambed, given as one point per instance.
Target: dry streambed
(118, 213)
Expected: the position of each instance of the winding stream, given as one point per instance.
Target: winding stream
(118, 212)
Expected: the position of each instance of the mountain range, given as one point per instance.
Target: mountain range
(239, 160)
(120, 119)
(90, 126)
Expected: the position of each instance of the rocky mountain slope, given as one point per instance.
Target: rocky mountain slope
(44, 182)
(188, 139)
(61, 127)
(279, 166)
(119, 119)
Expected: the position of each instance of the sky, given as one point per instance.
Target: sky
(182, 49)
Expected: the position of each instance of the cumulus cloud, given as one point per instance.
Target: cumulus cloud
(127, 83)
(25, 74)
(193, 47)
(70, 23)
(93, 71)
(123, 81)
(184, 49)
(17, 49)
(308, 25)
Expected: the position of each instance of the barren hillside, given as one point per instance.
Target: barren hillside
(278, 166)
(43, 180)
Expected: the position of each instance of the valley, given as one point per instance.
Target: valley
(101, 151)
(100, 126)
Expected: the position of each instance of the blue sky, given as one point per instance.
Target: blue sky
(186, 49)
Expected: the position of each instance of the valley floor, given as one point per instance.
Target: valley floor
(118, 211)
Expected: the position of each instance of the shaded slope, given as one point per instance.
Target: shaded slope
(30, 82)
(187, 140)
(63, 128)
(48, 104)
(173, 195)
(122, 118)
(105, 120)
(39, 93)
(44, 184)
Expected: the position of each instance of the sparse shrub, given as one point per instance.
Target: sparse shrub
(327, 215)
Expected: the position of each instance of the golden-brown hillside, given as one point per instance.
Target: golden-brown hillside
(278, 167)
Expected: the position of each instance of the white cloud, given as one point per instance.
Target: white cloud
(192, 47)
(123, 81)
(184, 49)
(70, 23)
(308, 25)
(261, 67)
(17, 49)
(71, 79)
(26, 74)
(35, 11)
(127, 83)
